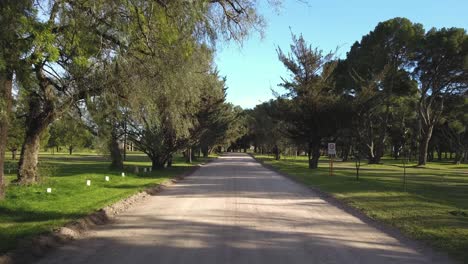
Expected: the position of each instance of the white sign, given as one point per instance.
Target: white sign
(331, 149)
(49, 190)
(107, 178)
(123, 174)
(88, 182)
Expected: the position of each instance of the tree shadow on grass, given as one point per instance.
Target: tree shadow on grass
(22, 215)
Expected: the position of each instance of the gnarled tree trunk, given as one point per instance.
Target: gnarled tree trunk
(27, 172)
(41, 113)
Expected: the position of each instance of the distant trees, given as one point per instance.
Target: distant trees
(394, 88)
(267, 130)
(69, 131)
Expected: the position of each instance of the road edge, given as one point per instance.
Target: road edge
(433, 254)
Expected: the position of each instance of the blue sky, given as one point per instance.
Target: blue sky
(253, 69)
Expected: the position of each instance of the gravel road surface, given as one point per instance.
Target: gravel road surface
(234, 210)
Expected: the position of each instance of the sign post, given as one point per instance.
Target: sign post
(331, 154)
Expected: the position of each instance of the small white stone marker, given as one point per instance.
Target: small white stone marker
(107, 178)
(88, 182)
(123, 174)
(49, 190)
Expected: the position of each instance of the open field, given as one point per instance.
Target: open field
(433, 209)
(28, 211)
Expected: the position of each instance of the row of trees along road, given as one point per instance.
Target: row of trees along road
(125, 69)
(400, 88)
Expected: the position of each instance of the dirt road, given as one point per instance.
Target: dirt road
(234, 210)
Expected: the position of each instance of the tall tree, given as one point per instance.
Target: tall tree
(310, 111)
(441, 71)
(13, 17)
(381, 60)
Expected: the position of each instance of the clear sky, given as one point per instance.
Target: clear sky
(254, 69)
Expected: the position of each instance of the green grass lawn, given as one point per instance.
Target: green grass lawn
(434, 207)
(28, 211)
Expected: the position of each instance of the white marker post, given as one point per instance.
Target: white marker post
(107, 178)
(144, 170)
(123, 174)
(150, 169)
(88, 182)
(49, 190)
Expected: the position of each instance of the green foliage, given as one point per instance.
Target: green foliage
(15, 133)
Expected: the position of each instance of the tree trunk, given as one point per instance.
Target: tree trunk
(27, 172)
(314, 154)
(188, 157)
(424, 144)
(430, 154)
(41, 113)
(458, 157)
(125, 141)
(13, 154)
(372, 157)
(371, 149)
(158, 164)
(115, 153)
(276, 152)
(439, 153)
(345, 152)
(205, 150)
(70, 150)
(169, 161)
(6, 85)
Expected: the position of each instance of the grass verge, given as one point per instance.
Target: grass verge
(29, 210)
(433, 208)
